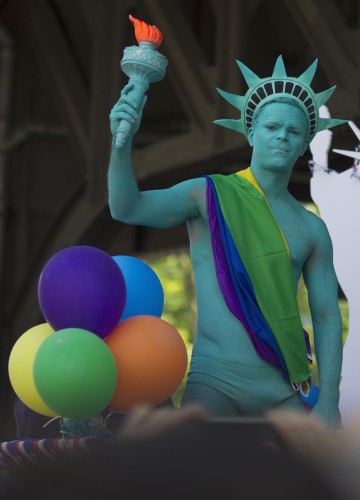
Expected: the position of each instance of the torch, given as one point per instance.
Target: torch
(143, 64)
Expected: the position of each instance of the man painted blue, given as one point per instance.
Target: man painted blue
(250, 241)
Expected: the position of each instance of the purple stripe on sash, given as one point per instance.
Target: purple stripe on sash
(256, 327)
(222, 271)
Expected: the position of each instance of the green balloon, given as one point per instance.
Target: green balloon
(75, 373)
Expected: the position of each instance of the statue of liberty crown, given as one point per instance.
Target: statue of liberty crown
(263, 90)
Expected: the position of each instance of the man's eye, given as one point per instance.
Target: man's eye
(271, 127)
(294, 132)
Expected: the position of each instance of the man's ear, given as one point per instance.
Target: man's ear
(250, 136)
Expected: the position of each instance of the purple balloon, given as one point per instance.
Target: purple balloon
(82, 287)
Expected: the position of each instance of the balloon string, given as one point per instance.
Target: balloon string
(106, 419)
(51, 420)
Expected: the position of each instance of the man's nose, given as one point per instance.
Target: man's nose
(283, 134)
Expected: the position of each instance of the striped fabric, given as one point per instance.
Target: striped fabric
(253, 268)
(18, 453)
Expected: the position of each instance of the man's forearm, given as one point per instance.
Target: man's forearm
(328, 347)
(122, 186)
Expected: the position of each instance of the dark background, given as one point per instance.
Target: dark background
(59, 78)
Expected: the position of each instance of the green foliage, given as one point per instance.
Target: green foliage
(176, 276)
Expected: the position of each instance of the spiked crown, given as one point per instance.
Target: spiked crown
(263, 90)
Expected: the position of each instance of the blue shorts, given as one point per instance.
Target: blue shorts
(231, 389)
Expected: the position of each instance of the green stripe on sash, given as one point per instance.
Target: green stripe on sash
(264, 252)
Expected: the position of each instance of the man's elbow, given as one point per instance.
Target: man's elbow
(120, 214)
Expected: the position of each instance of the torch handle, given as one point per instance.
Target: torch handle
(137, 94)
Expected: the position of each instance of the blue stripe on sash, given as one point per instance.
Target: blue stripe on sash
(260, 331)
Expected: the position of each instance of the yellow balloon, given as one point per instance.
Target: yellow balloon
(21, 362)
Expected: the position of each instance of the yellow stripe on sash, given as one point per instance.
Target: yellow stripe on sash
(249, 176)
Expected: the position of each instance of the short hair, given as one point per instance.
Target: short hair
(282, 100)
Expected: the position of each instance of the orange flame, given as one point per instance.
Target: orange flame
(146, 33)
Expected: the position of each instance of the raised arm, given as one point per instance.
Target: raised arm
(322, 285)
(157, 208)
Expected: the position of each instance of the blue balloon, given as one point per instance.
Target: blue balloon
(312, 397)
(144, 292)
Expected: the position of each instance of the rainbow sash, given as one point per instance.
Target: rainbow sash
(253, 268)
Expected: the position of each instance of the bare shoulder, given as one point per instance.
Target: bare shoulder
(192, 187)
(196, 186)
(315, 223)
(193, 192)
(317, 231)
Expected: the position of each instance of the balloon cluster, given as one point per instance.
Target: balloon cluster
(104, 342)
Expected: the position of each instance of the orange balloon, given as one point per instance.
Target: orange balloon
(151, 360)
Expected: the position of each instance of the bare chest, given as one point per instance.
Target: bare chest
(291, 219)
(296, 231)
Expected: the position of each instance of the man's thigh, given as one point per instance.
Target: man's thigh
(214, 401)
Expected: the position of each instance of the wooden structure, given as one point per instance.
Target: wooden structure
(59, 77)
